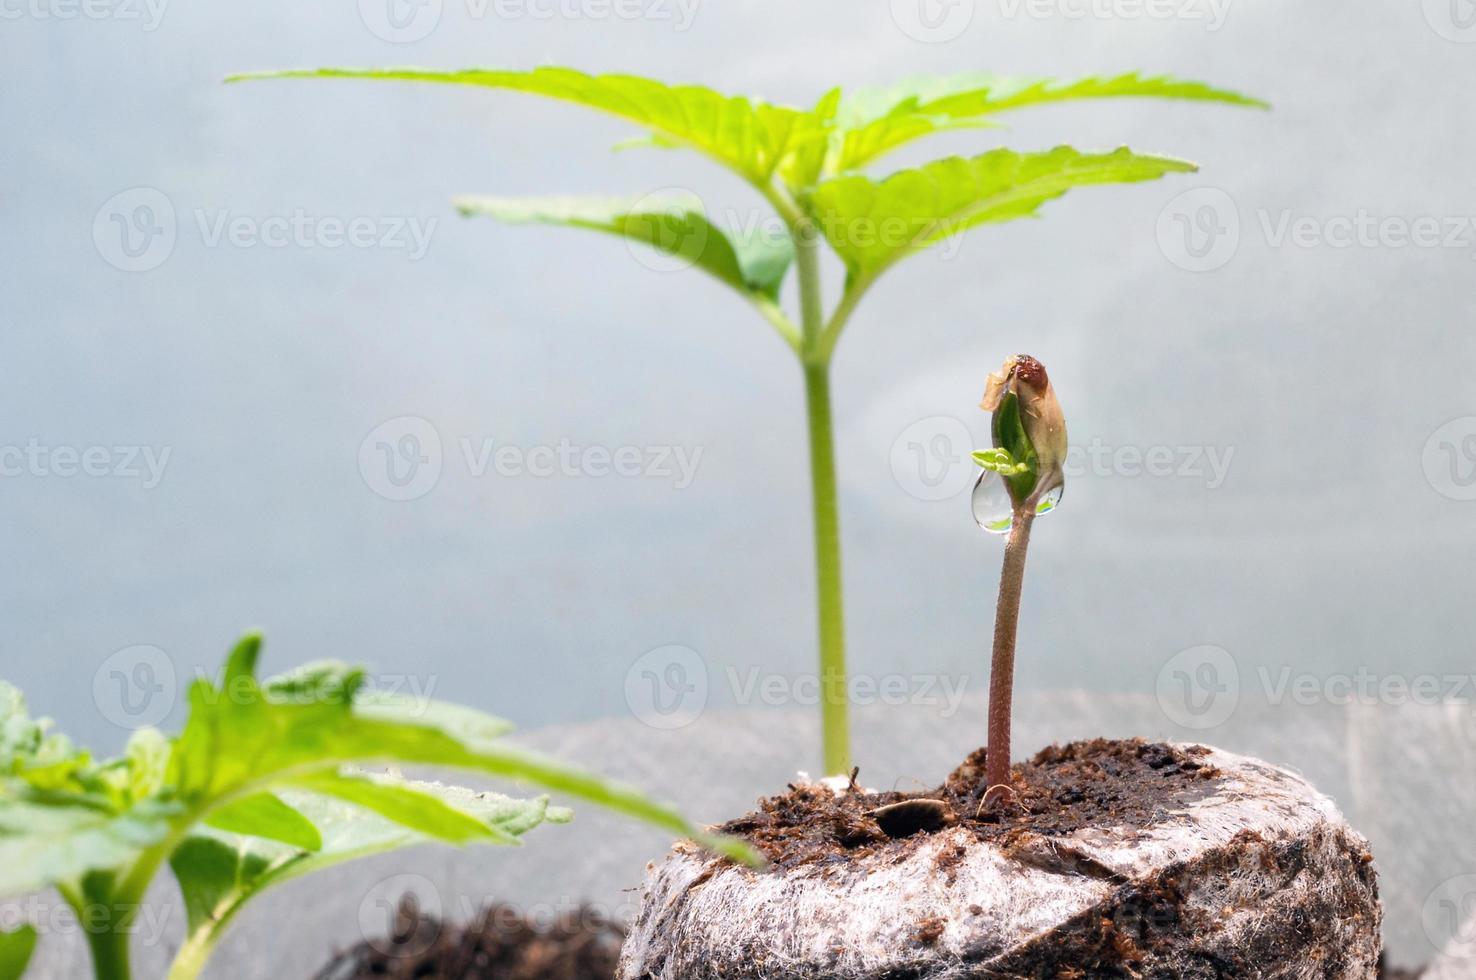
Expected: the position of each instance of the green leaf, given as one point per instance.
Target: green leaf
(414, 809)
(241, 662)
(753, 138)
(16, 947)
(1001, 461)
(876, 121)
(29, 749)
(219, 873)
(651, 141)
(147, 762)
(250, 742)
(872, 224)
(264, 815)
(675, 224)
(1010, 438)
(44, 844)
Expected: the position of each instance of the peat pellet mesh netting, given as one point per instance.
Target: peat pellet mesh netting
(1402, 773)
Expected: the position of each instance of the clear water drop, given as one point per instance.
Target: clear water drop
(993, 509)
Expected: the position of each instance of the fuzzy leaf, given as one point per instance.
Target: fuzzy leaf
(876, 121)
(751, 137)
(415, 809)
(147, 762)
(43, 844)
(675, 225)
(872, 224)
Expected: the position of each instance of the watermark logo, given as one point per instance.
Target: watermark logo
(667, 688)
(931, 458)
(135, 229)
(1199, 688)
(391, 911)
(677, 227)
(401, 459)
(135, 687)
(1450, 459)
(1454, 20)
(401, 21)
(933, 21)
(1449, 918)
(1199, 231)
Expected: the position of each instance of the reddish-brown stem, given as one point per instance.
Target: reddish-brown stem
(1002, 668)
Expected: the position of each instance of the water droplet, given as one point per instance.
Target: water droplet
(993, 509)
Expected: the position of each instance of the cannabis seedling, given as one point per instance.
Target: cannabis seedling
(1029, 451)
(260, 787)
(808, 164)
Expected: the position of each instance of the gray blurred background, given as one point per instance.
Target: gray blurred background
(1267, 366)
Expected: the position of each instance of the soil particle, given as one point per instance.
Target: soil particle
(500, 945)
(1063, 789)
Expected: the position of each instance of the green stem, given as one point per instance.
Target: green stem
(109, 945)
(835, 697)
(834, 690)
(190, 959)
(107, 936)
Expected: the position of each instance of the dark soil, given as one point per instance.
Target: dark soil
(1063, 789)
(501, 945)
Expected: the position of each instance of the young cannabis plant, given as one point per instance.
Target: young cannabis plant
(809, 165)
(261, 787)
(1029, 451)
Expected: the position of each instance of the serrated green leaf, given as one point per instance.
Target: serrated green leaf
(16, 947)
(876, 121)
(751, 137)
(264, 815)
(316, 681)
(674, 224)
(424, 812)
(242, 744)
(872, 224)
(219, 873)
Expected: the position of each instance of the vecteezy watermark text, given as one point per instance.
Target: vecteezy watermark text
(1202, 229)
(136, 230)
(1211, 13)
(145, 464)
(402, 459)
(931, 460)
(407, 21)
(1201, 687)
(147, 13)
(669, 688)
